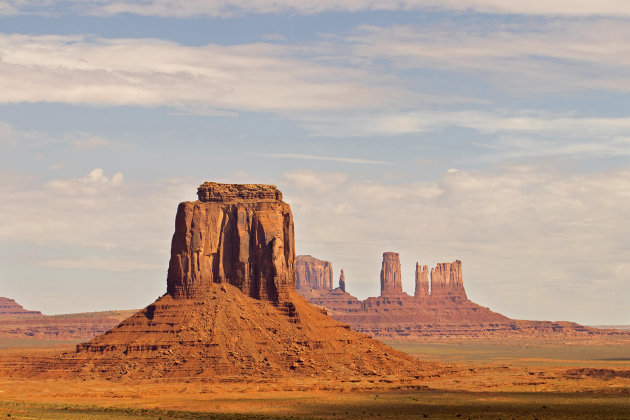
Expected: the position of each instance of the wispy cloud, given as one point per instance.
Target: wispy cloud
(326, 158)
(149, 72)
(500, 121)
(90, 143)
(97, 210)
(526, 58)
(231, 8)
(99, 263)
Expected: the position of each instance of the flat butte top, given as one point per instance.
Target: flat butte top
(214, 191)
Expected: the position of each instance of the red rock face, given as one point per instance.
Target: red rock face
(391, 283)
(447, 282)
(241, 236)
(313, 273)
(422, 281)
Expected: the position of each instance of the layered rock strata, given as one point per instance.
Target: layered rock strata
(313, 273)
(391, 279)
(231, 308)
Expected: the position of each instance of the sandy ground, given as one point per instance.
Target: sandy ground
(473, 380)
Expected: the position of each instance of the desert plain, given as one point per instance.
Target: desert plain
(476, 379)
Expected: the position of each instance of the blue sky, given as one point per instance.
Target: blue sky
(480, 130)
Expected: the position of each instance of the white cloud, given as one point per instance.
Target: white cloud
(149, 72)
(325, 158)
(230, 8)
(90, 143)
(99, 263)
(544, 125)
(525, 58)
(95, 211)
(522, 232)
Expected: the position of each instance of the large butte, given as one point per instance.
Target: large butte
(231, 308)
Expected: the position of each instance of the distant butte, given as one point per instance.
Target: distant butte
(10, 308)
(439, 307)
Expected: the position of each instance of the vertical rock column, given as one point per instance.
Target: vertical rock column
(422, 281)
(391, 283)
(342, 281)
(447, 281)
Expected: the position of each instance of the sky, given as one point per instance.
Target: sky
(489, 131)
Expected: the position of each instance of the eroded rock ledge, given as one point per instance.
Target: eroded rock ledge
(214, 191)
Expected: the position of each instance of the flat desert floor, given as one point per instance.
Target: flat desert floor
(481, 379)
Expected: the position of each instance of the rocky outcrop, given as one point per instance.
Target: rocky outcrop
(447, 282)
(422, 282)
(342, 281)
(313, 273)
(10, 308)
(236, 234)
(214, 191)
(391, 282)
(231, 308)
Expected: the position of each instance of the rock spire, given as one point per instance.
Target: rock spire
(342, 281)
(422, 281)
(391, 283)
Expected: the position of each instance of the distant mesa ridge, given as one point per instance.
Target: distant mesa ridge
(10, 308)
(438, 308)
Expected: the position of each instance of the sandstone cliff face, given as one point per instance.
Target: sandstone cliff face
(391, 282)
(313, 273)
(342, 281)
(447, 281)
(422, 281)
(236, 234)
